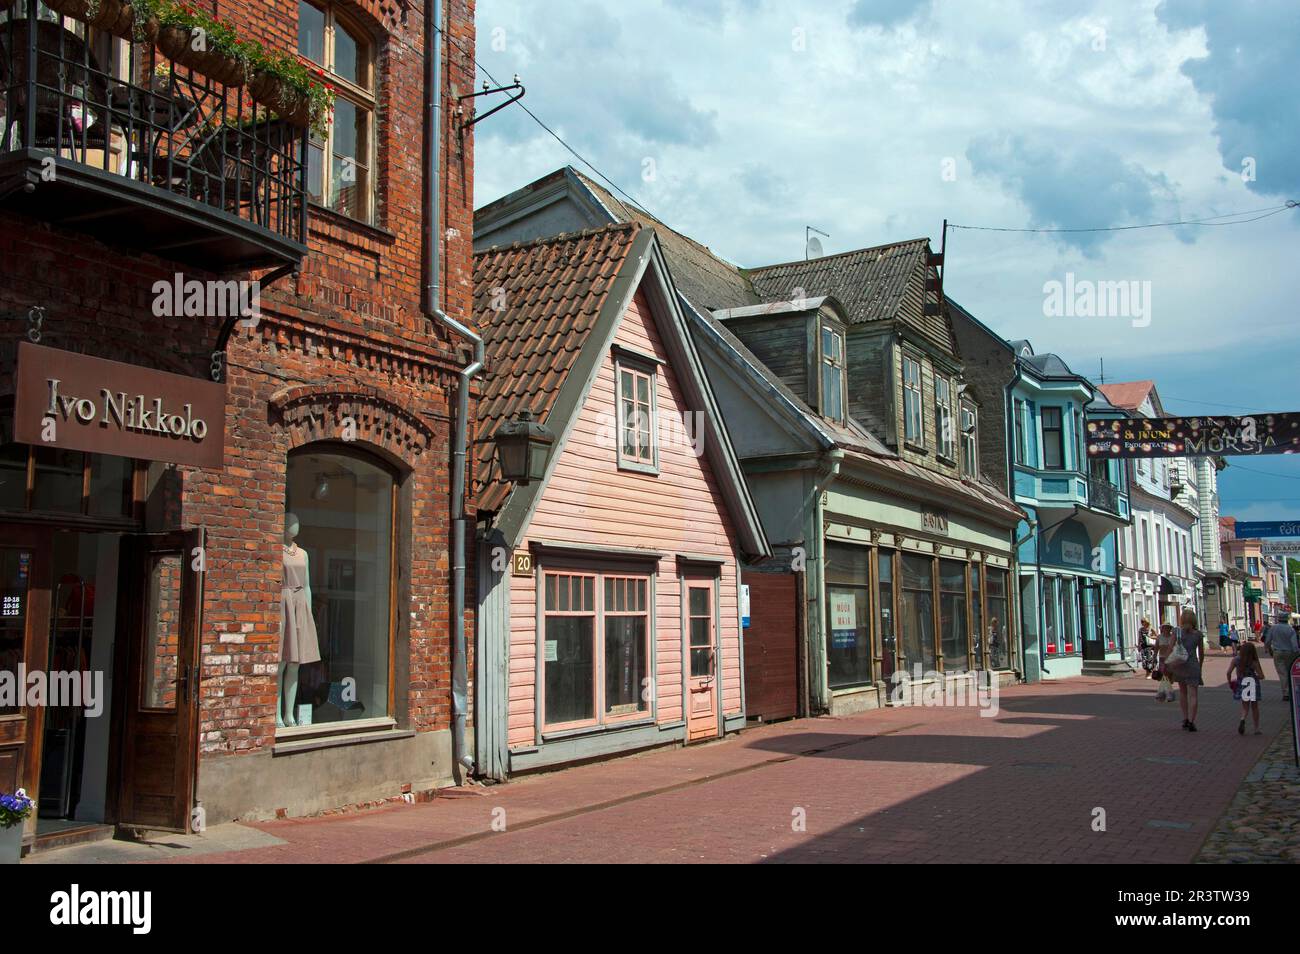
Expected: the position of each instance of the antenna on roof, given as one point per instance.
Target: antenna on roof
(812, 248)
(1101, 378)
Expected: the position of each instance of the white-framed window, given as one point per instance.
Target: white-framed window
(340, 164)
(943, 419)
(833, 384)
(970, 465)
(595, 648)
(912, 422)
(638, 446)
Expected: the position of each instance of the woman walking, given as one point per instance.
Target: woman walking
(1188, 670)
(1246, 665)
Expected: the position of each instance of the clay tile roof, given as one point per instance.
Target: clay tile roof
(1128, 395)
(536, 303)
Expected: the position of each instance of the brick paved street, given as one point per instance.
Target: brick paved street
(903, 784)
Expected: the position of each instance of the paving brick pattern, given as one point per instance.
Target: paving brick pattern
(901, 784)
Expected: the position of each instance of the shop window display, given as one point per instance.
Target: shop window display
(336, 601)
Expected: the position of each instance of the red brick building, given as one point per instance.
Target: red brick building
(245, 669)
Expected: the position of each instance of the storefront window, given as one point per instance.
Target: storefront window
(65, 481)
(918, 612)
(999, 627)
(15, 578)
(344, 502)
(578, 605)
(952, 615)
(1068, 633)
(1050, 630)
(888, 637)
(627, 624)
(848, 597)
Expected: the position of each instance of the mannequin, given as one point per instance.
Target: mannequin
(298, 642)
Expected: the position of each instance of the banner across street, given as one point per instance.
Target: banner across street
(1195, 436)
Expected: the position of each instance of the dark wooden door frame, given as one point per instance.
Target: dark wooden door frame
(137, 550)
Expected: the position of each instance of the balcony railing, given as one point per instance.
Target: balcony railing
(1103, 495)
(110, 137)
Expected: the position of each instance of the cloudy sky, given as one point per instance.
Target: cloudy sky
(740, 122)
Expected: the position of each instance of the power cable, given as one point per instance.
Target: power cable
(556, 136)
(1208, 220)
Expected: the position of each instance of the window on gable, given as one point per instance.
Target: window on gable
(340, 163)
(943, 418)
(832, 374)
(637, 448)
(912, 424)
(1053, 439)
(969, 443)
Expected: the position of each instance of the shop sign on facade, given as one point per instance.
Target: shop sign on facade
(78, 402)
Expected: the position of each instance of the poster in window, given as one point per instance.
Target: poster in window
(844, 619)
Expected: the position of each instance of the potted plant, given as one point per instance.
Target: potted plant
(14, 810)
(284, 85)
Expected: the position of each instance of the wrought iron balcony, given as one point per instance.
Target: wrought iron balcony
(110, 138)
(1103, 495)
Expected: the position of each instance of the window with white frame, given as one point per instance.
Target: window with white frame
(912, 422)
(943, 419)
(969, 441)
(832, 374)
(595, 648)
(340, 163)
(637, 444)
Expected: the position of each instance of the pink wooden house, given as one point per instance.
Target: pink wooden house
(608, 600)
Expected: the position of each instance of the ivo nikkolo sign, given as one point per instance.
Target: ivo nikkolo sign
(78, 402)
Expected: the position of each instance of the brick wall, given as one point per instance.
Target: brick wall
(346, 338)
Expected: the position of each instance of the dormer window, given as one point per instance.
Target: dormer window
(912, 424)
(832, 403)
(944, 419)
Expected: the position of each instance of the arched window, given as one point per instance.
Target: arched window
(344, 501)
(340, 165)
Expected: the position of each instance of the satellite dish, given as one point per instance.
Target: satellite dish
(814, 248)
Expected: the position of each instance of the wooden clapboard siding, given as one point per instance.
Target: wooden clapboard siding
(589, 501)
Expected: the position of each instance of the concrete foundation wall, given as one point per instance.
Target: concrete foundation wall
(256, 787)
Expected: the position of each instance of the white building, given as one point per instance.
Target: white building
(1158, 552)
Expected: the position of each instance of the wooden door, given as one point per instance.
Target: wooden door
(162, 605)
(24, 640)
(771, 647)
(701, 682)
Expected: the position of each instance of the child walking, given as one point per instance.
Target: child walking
(1246, 665)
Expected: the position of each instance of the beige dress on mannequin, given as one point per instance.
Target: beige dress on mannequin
(298, 643)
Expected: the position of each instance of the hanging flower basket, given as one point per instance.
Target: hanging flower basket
(175, 43)
(276, 94)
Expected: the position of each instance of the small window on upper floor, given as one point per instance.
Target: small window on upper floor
(943, 419)
(340, 164)
(1053, 439)
(638, 447)
(912, 421)
(970, 465)
(833, 384)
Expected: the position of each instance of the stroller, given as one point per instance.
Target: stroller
(1147, 656)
